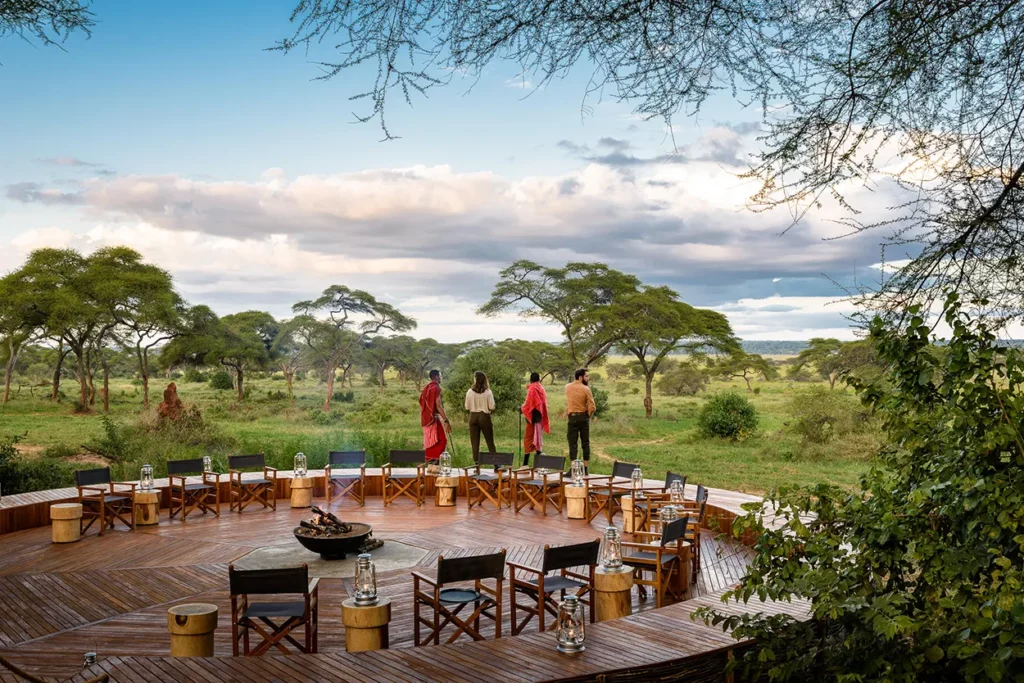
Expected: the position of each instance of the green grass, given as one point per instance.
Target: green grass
(667, 441)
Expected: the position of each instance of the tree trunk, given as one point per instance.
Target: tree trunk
(88, 376)
(289, 376)
(747, 380)
(832, 381)
(61, 355)
(9, 370)
(648, 401)
(330, 388)
(380, 376)
(143, 356)
(241, 379)
(83, 381)
(106, 385)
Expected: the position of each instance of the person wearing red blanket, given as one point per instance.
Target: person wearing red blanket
(535, 409)
(433, 418)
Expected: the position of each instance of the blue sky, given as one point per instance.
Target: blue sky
(173, 130)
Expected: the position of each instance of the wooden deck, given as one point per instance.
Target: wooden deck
(110, 595)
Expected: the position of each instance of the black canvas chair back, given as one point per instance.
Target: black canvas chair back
(269, 581)
(549, 462)
(674, 531)
(407, 457)
(499, 459)
(242, 462)
(350, 458)
(566, 556)
(470, 568)
(100, 475)
(623, 470)
(672, 476)
(185, 467)
(702, 498)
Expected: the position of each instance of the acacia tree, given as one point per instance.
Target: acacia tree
(653, 323)
(48, 21)
(746, 366)
(245, 342)
(334, 325)
(18, 327)
(569, 297)
(834, 359)
(287, 352)
(920, 100)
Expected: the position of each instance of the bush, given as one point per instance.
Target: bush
(506, 382)
(322, 419)
(729, 416)
(685, 379)
(222, 380)
(377, 410)
(344, 396)
(20, 475)
(600, 401)
(195, 376)
(821, 415)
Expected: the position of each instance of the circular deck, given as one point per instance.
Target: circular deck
(110, 594)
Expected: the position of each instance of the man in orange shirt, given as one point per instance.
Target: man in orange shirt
(579, 407)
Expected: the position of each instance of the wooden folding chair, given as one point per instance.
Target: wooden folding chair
(542, 588)
(186, 497)
(696, 508)
(411, 484)
(273, 622)
(532, 487)
(247, 491)
(101, 500)
(604, 492)
(641, 507)
(341, 474)
(489, 479)
(660, 556)
(449, 602)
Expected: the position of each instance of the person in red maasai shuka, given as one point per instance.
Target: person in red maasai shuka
(535, 409)
(432, 417)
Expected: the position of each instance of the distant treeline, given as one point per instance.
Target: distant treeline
(773, 348)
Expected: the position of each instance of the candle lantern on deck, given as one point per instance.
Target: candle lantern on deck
(576, 471)
(366, 581)
(611, 549)
(570, 628)
(300, 465)
(675, 491)
(89, 659)
(637, 481)
(146, 478)
(207, 464)
(668, 515)
(445, 464)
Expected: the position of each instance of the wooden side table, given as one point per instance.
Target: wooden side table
(192, 627)
(576, 501)
(444, 490)
(146, 508)
(66, 519)
(366, 627)
(302, 492)
(628, 517)
(613, 593)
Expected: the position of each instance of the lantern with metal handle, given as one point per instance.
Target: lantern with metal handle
(445, 464)
(570, 628)
(576, 471)
(146, 478)
(667, 515)
(637, 482)
(299, 468)
(207, 464)
(611, 549)
(675, 491)
(366, 581)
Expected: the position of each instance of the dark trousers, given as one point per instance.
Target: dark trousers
(481, 422)
(579, 428)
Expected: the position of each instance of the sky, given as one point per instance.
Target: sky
(173, 130)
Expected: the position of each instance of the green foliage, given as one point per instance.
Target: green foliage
(601, 401)
(376, 411)
(325, 419)
(729, 416)
(919, 575)
(507, 384)
(194, 375)
(221, 380)
(344, 396)
(685, 379)
(820, 415)
(19, 474)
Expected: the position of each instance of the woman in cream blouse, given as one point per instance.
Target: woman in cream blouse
(480, 404)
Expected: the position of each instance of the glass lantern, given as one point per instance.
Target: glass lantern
(446, 464)
(146, 478)
(89, 659)
(675, 491)
(667, 515)
(611, 549)
(570, 629)
(366, 581)
(207, 464)
(576, 472)
(637, 482)
(300, 465)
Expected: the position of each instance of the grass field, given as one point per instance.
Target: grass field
(379, 421)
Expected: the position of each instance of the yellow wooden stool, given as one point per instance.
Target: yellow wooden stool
(66, 519)
(146, 508)
(444, 491)
(613, 593)
(192, 627)
(576, 501)
(302, 492)
(366, 627)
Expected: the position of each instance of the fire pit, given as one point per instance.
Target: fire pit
(333, 538)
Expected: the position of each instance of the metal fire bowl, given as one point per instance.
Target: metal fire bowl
(335, 547)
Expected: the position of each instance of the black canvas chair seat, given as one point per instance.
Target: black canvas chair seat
(114, 499)
(274, 610)
(492, 484)
(540, 482)
(459, 596)
(446, 605)
(346, 475)
(412, 485)
(100, 499)
(555, 583)
(254, 482)
(353, 476)
(198, 487)
(484, 476)
(244, 491)
(187, 497)
(644, 558)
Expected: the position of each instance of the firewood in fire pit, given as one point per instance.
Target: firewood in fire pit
(329, 519)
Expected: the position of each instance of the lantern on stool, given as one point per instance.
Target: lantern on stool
(207, 464)
(675, 491)
(570, 629)
(299, 467)
(576, 471)
(366, 581)
(146, 478)
(611, 549)
(446, 464)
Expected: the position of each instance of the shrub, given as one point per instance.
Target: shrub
(821, 415)
(59, 451)
(506, 382)
(221, 380)
(344, 396)
(322, 419)
(194, 376)
(379, 444)
(685, 379)
(276, 396)
(20, 475)
(729, 416)
(601, 404)
(377, 411)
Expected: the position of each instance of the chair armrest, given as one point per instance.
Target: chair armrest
(122, 483)
(551, 474)
(424, 578)
(648, 534)
(92, 492)
(314, 587)
(523, 470)
(467, 469)
(235, 476)
(385, 469)
(181, 485)
(639, 546)
(421, 469)
(362, 471)
(215, 475)
(327, 471)
(267, 470)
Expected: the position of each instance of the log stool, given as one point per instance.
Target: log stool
(302, 492)
(366, 627)
(628, 517)
(192, 627)
(444, 491)
(613, 591)
(67, 522)
(576, 501)
(146, 508)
